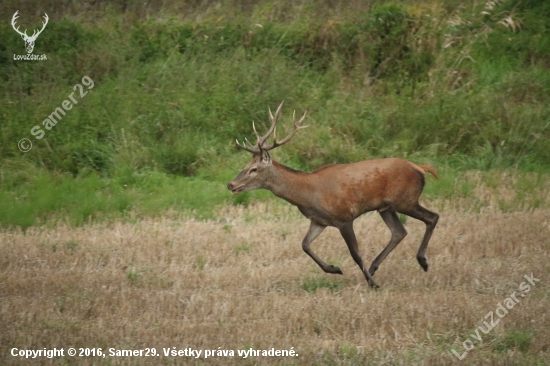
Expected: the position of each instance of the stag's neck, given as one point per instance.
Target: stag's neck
(290, 185)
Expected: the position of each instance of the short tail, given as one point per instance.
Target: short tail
(430, 169)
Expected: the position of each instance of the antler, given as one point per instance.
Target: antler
(36, 33)
(260, 141)
(297, 126)
(24, 34)
(13, 19)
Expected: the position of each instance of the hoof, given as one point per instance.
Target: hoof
(372, 270)
(374, 286)
(334, 270)
(423, 263)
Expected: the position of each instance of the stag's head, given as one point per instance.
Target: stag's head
(257, 172)
(29, 40)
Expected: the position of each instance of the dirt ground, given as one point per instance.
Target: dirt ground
(243, 283)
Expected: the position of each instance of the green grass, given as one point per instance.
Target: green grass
(47, 198)
(312, 284)
(133, 274)
(38, 196)
(514, 339)
(34, 197)
(241, 249)
(71, 245)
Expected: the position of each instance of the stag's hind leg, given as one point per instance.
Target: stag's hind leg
(430, 219)
(398, 232)
(313, 232)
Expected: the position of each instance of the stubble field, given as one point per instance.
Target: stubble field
(242, 281)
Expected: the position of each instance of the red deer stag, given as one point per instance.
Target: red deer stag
(335, 195)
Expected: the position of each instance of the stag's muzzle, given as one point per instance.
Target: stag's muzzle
(233, 189)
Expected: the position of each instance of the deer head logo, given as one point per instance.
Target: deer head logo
(29, 40)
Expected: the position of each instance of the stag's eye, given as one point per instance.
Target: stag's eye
(253, 170)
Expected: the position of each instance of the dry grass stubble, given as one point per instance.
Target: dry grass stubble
(243, 281)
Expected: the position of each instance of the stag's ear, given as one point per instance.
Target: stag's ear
(266, 159)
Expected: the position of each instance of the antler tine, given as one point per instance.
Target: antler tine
(297, 126)
(299, 122)
(273, 119)
(252, 146)
(252, 149)
(256, 133)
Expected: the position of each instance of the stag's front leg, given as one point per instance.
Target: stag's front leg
(349, 236)
(313, 232)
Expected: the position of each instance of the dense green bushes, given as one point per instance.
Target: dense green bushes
(463, 84)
